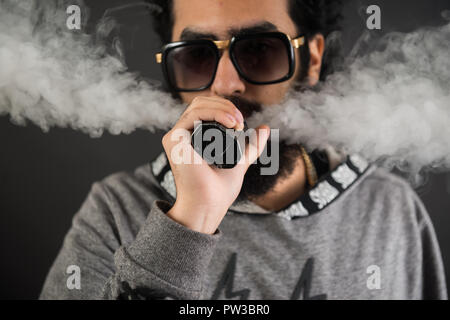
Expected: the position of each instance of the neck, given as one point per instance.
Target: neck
(286, 190)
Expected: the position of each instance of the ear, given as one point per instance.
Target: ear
(316, 49)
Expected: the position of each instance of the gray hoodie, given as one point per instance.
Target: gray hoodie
(360, 233)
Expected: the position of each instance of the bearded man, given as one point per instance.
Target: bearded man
(325, 226)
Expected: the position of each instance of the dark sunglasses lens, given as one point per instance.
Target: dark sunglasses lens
(191, 66)
(264, 59)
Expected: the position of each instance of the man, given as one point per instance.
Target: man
(180, 230)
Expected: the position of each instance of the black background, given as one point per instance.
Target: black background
(44, 177)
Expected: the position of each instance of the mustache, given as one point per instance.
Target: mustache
(246, 106)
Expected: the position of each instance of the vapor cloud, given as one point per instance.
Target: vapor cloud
(55, 77)
(391, 106)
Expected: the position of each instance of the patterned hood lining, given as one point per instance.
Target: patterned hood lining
(327, 190)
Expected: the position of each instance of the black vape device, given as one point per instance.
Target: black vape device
(224, 153)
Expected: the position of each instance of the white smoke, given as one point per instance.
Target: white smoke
(54, 77)
(391, 105)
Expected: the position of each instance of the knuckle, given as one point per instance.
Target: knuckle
(229, 103)
(185, 115)
(231, 107)
(195, 102)
(218, 114)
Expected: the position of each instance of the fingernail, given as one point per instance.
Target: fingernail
(239, 117)
(233, 119)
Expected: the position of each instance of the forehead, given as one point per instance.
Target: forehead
(219, 17)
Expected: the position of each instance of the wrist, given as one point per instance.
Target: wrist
(200, 218)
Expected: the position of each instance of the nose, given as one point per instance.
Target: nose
(227, 81)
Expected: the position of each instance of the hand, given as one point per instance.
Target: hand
(204, 192)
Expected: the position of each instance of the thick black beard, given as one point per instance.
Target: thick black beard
(255, 184)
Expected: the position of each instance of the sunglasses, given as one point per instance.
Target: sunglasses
(259, 58)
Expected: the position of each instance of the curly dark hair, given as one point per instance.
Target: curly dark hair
(311, 17)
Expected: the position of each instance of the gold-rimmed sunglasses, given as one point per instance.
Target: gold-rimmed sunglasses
(259, 58)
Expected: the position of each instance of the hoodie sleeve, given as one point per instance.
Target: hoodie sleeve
(165, 260)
